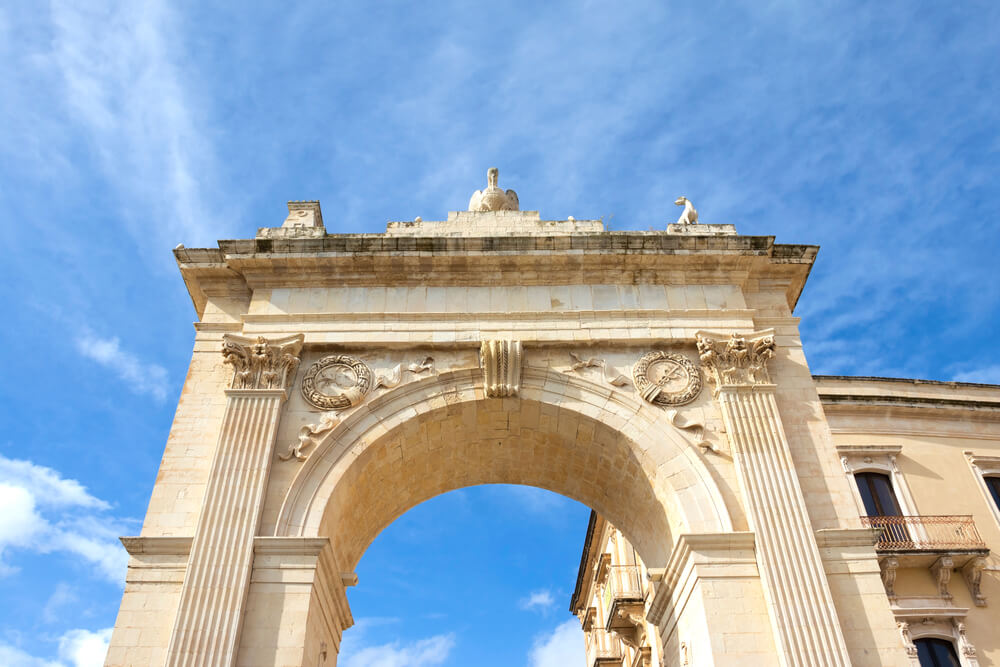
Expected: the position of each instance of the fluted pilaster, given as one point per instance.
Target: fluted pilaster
(207, 627)
(801, 606)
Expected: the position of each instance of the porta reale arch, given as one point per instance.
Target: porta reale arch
(656, 377)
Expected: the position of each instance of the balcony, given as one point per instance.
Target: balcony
(603, 648)
(941, 543)
(909, 534)
(624, 600)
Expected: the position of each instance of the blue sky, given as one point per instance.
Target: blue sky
(127, 128)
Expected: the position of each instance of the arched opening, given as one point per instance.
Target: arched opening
(481, 575)
(561, 433)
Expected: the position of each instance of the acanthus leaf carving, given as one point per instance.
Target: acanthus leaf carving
(259, 363)
(614, 378)
(501, 364)
(739, 360)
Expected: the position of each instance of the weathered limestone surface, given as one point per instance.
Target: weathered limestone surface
(496, 347)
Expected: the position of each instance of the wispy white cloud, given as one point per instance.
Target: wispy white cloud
(83, 648)
(560, 647)
(530, 498)
(987, 375)
(141, 377)
(11, 656)
(47, 485)
(119, 63)
(77, 648)
(431, 651)
(44, 512)
(537, 601)
(63, 596)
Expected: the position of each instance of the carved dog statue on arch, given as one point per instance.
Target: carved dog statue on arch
(689, 216)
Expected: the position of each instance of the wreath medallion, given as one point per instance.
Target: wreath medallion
(337, 382)
(663, 378)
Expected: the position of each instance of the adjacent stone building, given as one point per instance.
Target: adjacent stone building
(923, 459)
(337, 380)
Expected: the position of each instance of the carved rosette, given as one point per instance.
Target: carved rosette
(739, 360)
(501, 363)
(259, 363)
(664, 378)
(337, 382)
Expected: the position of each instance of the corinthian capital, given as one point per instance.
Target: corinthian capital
(736, 359)
(259, 363)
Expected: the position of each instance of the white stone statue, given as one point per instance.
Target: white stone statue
(493, 198)
(689, 216)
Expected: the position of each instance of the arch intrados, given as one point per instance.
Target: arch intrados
(338, 479)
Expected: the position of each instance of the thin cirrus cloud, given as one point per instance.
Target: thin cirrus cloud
(123, 84)
(45, 513)
(140, 377)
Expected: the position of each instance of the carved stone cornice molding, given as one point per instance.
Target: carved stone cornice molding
(736, 359)
(501, 363)
(259, 363)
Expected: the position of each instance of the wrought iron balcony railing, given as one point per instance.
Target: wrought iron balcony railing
(925, 533)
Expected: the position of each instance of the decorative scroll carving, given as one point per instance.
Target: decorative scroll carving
(941, 570)
(309, 436)
(663, 378)
(337, 382)
(696, 429)
(493, 198)
(889, 567)
(740, 360)
(396, 374)
(259, 363)
(965, 647)
(501, 363)
(973, 574)
(689, 216)
(613, 378)
(904, 634)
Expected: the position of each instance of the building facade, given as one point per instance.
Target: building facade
(337, 380)
(922, 459)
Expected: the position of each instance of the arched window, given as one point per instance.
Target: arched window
(993, 484)
(877, 494)
(934, 652)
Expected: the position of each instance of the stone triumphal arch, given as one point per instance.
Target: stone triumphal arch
(657, 377)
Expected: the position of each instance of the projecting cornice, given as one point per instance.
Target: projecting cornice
(346, 260)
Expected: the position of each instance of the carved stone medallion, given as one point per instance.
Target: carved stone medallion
(337, 382)
(664, 378)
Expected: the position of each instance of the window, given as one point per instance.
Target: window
(993, 484)
(881, 488)
(877, 494)
(987, 472)
(934, 652)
